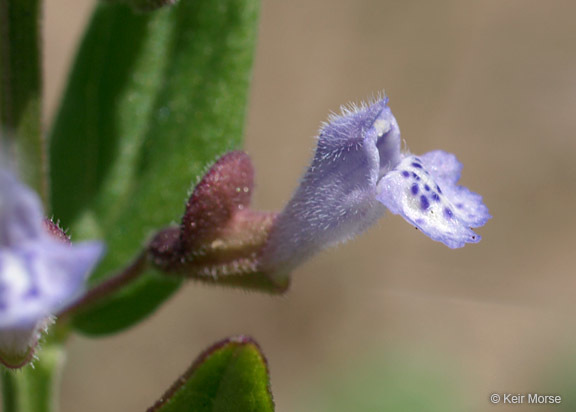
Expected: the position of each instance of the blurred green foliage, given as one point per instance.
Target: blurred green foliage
(21, 90)
(390, 380)
(152, 98)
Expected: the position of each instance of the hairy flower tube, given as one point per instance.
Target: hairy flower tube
(40, 271)
(358, 171)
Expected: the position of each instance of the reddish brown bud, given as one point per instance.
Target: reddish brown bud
(224, 191)
(220, 239)
(165, 248)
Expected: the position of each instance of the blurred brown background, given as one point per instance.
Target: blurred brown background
(492, 81)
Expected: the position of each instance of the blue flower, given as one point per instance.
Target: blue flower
(40, 273)
(358, 171)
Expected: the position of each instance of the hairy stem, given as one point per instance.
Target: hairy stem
(110, 285)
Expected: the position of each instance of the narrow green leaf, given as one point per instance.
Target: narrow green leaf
(232, 375)
(103, 117)
(21, 89)
(152, 99)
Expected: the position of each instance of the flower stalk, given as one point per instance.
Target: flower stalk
(100, 292)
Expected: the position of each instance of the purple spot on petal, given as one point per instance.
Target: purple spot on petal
(418, 165)
(414, 189)
(438, 189)
(405, 173)
(32, 293)
(435, 197)
(427, 188)
(459, 205)
(424, 203)
(448, 213)
(415, 176)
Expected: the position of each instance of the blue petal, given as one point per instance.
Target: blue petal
(423, 192)
(42, 278)
(446, 169)
(444, 166)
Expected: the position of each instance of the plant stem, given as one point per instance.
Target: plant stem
(109, 286)
(21, 89)
(34, 387)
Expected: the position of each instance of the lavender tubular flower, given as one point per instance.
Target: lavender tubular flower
(357, 172)
(40, 271)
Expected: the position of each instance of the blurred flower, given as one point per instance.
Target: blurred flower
(40, 271)
(357, 172)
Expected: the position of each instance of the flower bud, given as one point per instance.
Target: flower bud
(220, 239)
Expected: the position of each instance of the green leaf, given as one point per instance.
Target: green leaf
(128, 306)
(232, 375)
(151, 100)
(21, 89)
(147, 5)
